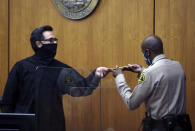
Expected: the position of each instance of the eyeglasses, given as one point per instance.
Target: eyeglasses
(51, 39)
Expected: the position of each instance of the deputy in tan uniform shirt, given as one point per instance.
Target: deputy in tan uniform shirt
(161, 86)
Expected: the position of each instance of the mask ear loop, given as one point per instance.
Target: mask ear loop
(148, 60)
(39, 45)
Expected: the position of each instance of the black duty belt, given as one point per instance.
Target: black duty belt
(168, 122)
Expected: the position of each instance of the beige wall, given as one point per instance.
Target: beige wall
(175, 22)
(110, 36)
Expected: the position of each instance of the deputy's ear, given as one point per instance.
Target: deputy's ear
(38, 44)
(148, 52)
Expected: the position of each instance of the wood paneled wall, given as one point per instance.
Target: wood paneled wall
(175, 22)
(128, 23)
(3, 44)
(111, 36)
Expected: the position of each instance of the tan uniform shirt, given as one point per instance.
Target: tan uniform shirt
(161, 86)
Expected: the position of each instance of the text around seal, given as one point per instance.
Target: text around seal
(75, 9)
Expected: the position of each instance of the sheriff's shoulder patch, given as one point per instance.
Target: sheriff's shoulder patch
(142, 78)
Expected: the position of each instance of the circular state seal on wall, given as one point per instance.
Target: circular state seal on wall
(75, 9)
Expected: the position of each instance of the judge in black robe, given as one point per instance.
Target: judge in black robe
(36, 85)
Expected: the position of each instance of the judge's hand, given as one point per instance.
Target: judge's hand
(116, 71)
(132, 67)
(101, 72)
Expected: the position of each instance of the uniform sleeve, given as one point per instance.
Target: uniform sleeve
(140, 93)
(76, 85)
(10, 91)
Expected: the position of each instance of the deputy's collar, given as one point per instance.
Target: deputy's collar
(158, 57)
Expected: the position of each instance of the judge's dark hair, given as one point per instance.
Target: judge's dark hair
(37, 35)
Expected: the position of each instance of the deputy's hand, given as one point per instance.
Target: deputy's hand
(116, 71)
(133, 67)
(101, 72)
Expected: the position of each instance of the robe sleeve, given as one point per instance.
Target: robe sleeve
(75, 84)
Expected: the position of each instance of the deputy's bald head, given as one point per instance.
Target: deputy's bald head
(153, 43)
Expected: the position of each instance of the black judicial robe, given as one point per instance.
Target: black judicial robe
(36, 85)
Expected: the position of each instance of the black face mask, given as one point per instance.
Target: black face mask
(47, 50)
